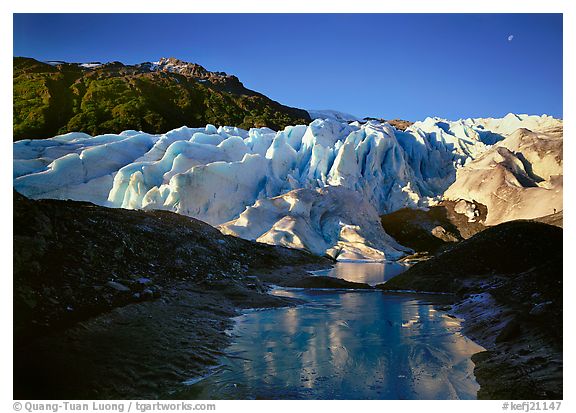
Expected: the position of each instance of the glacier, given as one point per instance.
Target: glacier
(332, 114)
(319, 187)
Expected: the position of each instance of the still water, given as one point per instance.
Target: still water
(367, 272)
(344, 345)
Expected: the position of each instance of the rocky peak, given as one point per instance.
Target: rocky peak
(171, 64)
(220, 80)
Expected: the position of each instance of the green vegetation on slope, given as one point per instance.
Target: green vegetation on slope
(50, 100)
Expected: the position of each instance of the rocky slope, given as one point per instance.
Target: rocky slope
(61, 97)
(556, 219)
(507, 282)
(112, 303)
(432, 230)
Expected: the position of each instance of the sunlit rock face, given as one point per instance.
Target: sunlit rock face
(215, 174)
(518, 178)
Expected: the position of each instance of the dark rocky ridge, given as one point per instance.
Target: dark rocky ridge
(113, 303)
(505, 249)
(433, 230)
(507, 285)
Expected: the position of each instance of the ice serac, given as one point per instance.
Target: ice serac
(236, 178)
(518, 178)
(332, 221)
(216, 191)
(81, 167)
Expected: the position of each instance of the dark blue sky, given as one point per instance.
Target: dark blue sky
(388, 65)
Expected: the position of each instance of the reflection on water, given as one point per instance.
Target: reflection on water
(366, 272)
(344, 345)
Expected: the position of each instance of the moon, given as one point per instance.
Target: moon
(510, 38)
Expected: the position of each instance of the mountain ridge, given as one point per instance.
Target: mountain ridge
(59, 97)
